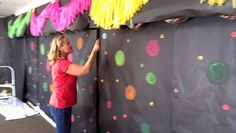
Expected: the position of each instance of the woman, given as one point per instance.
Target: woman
(64, 78)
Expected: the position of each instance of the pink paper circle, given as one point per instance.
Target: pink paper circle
(32, 46)
(109, 104)
(152, 48)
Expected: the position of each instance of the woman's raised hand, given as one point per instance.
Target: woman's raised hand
(96, 46)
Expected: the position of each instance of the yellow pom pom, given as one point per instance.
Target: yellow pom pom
(234, 3)
(215, 2)
(111, 14)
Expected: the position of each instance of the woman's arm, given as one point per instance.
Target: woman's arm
(52, 88)
(77, 70)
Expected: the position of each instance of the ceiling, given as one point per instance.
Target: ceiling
(16, 7)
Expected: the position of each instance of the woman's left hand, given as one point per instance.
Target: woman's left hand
(96, 46)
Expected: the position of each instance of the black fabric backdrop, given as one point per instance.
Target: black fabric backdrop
(4, 57)
(31, 69)
(182, 100)
(17, 57)
(137, 65)
(198, 106)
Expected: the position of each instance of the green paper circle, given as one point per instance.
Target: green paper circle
(150, 78)
(45, 87)
(218, 72)
(104, 35)
(34, 86)
(145, 128)
(82, 62)
(120, 58)
(29, 70)
(42, 49)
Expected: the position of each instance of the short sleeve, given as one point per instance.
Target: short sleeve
(64, 64)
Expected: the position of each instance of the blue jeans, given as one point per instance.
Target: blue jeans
(62, 118)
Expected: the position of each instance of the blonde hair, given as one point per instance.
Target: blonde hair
(54, 52)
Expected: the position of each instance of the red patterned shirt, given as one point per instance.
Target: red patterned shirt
(65, 94)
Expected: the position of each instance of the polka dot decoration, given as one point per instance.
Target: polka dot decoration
(29, 69)
(150, 78)
(82, 62)
(42, 49)
(72, 118)
(114, 118)
(200, 58)
(109, 104)
(130, 92)
(79, 42)
(225, 107)
(218, 72)
(233, 34)
(176, 90)
(45, 87)
(125, 116)
(48, 67)
(162, 36)
(104, 35)
(32, 46)
(145, 128)
(152, 48)
(120, 58)
(151, 103)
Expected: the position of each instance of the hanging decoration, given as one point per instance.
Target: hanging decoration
(37, 23)
(66, 15)
(218, 2)
(111, 14)
(60, 17)
(17, 28)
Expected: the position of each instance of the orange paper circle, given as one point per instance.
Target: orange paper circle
(130, 92)
(80, 43)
